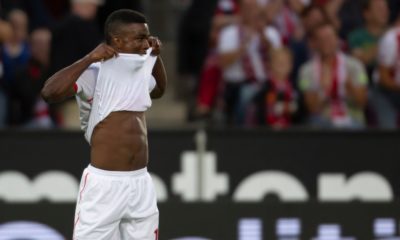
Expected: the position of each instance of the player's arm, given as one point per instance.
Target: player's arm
(159, 72)
(160, 76)
(61, 84)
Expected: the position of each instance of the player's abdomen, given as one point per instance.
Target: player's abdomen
(119, 142)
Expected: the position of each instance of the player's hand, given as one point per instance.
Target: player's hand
(102, 52)
(156, 45)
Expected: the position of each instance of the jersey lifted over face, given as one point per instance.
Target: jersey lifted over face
(123, 83)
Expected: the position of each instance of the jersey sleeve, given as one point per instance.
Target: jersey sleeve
(84, 88)
(86, 83)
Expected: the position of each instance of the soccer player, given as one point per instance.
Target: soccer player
(114, 85)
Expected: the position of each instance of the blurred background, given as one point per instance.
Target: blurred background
(280, 119)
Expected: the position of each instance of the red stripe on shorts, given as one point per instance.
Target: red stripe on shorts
(77, 220)
(80, 198)
(83, 188)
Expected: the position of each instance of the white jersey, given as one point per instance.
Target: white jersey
(119, 84)
(84, 88)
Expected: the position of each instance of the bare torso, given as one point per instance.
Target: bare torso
(119, 142)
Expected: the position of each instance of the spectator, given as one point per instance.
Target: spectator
(302, 50)
(284, 14)
(363, 41)
(332, 8)
(35, 10)
(277, 101)
(334, 84)
(76, 35)
(211, 75)
(15, 56)
(350, 16)
(243, 49)
(5, 35)
(73, 38)
(34, 111)
(301, 47)
(388, 92)
(194, 28)
(193, 41)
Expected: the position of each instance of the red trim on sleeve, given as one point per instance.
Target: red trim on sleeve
(75, 87)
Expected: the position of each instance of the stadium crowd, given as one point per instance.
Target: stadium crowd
(315, 63)
(38, 38)
(275, 63)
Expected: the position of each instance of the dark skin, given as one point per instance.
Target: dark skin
(119, 142)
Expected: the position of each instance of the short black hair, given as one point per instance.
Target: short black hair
(121, 17)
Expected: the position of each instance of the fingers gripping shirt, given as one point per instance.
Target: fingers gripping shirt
(86, 85)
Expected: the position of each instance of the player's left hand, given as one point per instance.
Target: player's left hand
(156, 44)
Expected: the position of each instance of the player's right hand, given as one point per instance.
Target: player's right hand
(102, 52)
(156, 44)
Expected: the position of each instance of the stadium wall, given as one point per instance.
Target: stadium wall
(219, 184)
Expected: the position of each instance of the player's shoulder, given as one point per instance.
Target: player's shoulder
(94, 66)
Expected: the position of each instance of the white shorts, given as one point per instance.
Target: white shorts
(116, 205)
